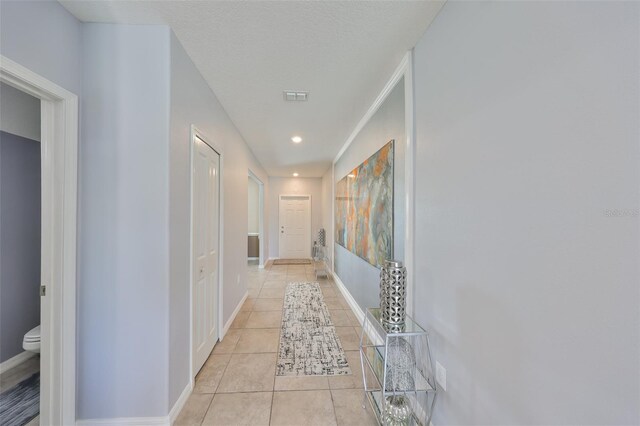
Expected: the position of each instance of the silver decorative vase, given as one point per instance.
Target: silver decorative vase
(393, 295)
(397, 411)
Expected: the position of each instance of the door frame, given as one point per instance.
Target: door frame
(195, 133)
(280, 197)
(59, 164)
(260, 217)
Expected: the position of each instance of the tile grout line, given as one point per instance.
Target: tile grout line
(208, 408)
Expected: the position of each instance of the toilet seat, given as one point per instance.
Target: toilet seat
(33, 335)
(31, 340)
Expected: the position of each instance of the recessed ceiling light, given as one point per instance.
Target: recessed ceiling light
(296, 175)
(296, 139)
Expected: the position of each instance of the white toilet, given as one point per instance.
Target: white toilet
(31, 340)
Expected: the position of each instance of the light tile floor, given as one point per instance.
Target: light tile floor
(238, 385)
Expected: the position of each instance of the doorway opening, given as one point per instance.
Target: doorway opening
(55, 161)
(255, 234)
(20, 251)
(295, 227)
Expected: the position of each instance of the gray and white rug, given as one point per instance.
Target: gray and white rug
(309, 344)
(21, 403)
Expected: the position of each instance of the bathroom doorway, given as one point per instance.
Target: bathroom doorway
(20, 247)
(255, 226)
(39, 220)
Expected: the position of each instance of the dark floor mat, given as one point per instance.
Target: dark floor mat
(20, 404)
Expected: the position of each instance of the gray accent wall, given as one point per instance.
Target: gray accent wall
(360, 277)
(19, 241)
(19, 113)
(527, 118)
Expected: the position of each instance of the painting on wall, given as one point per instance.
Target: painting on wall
(364, 208)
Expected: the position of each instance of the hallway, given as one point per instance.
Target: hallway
(490, 148)
(238, 385)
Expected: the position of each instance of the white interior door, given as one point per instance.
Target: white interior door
(206, 213)
(295, 226)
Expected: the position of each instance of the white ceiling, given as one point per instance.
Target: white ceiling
(342, 52)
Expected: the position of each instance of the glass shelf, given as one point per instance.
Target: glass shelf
(374, 356)
(402, 362)
(410, 326)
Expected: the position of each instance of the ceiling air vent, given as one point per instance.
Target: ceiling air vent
(295, 96)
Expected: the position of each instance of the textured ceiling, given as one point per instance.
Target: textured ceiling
(342, 52)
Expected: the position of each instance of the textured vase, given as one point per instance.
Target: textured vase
(397, 411)
(401, 366)
(393, 295)
(384, 292)
(322, 237)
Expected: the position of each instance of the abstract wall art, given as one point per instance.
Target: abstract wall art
(364, 208)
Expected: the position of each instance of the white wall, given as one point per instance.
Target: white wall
(19, 113)
(253, 207)
(44, 37)
(527, 133)
(123, 263)
(193, 102)
(288, 186)
(360, 277)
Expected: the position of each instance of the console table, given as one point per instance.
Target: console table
(402, 361)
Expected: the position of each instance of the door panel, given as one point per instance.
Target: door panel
(295, 227)
(206, 213)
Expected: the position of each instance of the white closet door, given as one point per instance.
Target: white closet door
(206, 213)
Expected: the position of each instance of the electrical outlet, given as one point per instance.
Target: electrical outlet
(441, 376)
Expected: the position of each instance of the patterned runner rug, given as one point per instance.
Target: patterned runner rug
(21, 403)
(309, 345)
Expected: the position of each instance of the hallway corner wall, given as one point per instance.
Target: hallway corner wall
(124, 222)
(193, 102)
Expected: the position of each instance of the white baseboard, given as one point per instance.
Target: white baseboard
(359, 313)
(126, 421)
(144, 421)
(233, 316)
(179, 405)
(270, 261)
(15, 361)
(348, 297)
